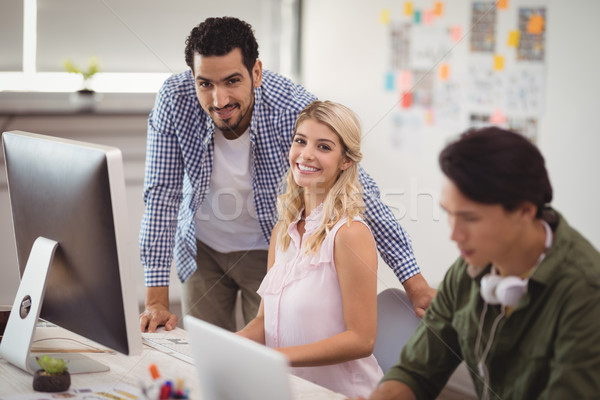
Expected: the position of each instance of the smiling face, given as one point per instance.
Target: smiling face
(484, 233)
(225, 90)
(316, 158)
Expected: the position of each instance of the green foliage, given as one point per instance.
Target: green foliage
(53, 366)
(93, 68)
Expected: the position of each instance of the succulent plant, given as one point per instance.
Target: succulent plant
(52, 366)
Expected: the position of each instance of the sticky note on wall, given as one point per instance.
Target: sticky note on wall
(408, 8)
(384, 17)
(502, 4)
(405, 80)
(498, 117)
(535, 25)
(455, 33)
(498, 62)
(438, 8)
(390, 81)
(428, 17)
(513, 38)
(444, 71)
(406, 99)
(429, 117)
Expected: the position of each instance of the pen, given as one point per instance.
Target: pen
(154, 371)
(179, 386)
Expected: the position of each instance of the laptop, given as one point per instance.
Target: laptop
(231, 367)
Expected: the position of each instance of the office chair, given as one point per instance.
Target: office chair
(396, 322)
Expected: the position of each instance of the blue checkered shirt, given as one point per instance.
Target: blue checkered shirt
(179, 160)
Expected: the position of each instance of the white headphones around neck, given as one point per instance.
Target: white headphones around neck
(508, 290)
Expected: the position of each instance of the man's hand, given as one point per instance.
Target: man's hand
(157, 310)
(419, 293)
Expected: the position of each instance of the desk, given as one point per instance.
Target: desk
(131, 370)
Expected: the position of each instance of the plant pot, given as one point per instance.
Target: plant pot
(85, 99)
(44, 382)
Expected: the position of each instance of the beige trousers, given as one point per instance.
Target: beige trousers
(210, 293)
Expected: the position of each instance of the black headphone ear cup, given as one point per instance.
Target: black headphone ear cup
(488, 285)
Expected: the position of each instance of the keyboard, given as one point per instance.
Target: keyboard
(173, 343)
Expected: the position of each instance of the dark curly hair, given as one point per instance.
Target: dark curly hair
(496, 166)
(218, 36)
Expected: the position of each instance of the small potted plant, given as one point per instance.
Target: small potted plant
(85, 99)
(53, 375)
(87, 75)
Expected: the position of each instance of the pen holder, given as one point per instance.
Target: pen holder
(162, 389)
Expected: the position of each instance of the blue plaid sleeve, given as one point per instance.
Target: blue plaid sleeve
(162, 194)
(393, 242)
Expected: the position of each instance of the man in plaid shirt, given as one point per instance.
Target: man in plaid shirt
(218, 142)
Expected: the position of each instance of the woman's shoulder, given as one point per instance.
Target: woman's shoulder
(354, 232)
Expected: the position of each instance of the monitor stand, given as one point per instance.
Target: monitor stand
(15, 346)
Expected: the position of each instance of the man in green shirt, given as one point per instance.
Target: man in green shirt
(521, 305)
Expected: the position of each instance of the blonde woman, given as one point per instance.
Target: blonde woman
(319, 297)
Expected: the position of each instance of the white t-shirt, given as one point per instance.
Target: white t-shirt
(226, 221)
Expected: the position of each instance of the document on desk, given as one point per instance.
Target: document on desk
(119, 391)
(175, 343)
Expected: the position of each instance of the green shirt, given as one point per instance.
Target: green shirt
(547, 348)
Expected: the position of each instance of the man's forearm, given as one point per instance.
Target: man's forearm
(157, 296)
(393, 390)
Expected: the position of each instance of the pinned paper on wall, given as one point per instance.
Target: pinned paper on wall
(484, 87)
(408, 8)
(447, 102)
(532, 39)
(524, 90)
(384, 17)
(502, 4)
(483, 32)
(400, 45)
(444, 71)
(513, 38)
(429, 45)
(498, 62)
(407, 131)
(417, 17)
(526, 126)
(438, 8)
(535, 26)
(455, 33)
(422, 91)
(389, 81)
(428, 17)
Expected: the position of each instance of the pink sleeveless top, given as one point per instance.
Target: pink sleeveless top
(303, 304)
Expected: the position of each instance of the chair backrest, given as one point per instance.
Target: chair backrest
(396, 322)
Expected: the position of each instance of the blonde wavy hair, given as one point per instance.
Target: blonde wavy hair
(344, 197)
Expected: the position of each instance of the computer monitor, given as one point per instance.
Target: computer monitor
(68, 207)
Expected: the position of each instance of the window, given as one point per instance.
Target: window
(137, 42)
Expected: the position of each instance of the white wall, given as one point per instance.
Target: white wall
(345, 50)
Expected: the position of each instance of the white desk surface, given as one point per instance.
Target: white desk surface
(133, 369)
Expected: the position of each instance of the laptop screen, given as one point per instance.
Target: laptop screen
(231, 367)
